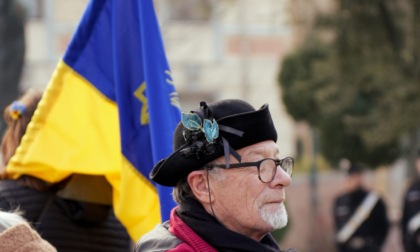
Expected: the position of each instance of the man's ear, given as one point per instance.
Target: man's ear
(199, 187)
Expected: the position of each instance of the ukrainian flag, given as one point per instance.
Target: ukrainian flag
(109, 109)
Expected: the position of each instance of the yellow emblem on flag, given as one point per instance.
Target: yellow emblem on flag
(139, 93)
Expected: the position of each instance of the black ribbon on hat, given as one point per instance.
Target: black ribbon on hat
(206, 112)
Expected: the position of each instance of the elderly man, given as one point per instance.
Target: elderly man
(229, 182)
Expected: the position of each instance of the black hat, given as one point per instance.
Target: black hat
(214, 130)
(355, 169)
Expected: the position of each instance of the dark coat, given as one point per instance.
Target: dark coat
(68, 225)
(411, 208)
(191, 228)
(371, 234)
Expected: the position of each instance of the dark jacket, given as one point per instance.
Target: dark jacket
(67, 224)
(191, 228)
(180, 238)
(371, 234)
(411, 213)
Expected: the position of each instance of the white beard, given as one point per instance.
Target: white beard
(275, 216)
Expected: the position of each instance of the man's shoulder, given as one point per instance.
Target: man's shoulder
(345, 196)
(158, 239)
(354, 198)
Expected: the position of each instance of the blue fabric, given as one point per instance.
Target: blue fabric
(117, 48)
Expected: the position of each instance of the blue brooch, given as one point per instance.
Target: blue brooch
(200, 135)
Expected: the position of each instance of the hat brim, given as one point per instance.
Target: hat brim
(256, 125)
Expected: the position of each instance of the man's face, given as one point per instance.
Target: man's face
(245, 204)
(353, 181)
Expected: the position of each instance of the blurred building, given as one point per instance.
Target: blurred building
(223, 49)
(215, 48)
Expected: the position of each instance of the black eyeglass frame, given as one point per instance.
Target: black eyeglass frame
(278, 162)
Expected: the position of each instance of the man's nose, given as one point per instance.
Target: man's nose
(282, 178)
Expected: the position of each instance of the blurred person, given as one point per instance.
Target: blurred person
(410, 222)
(16, 235)
(12, 52)
(73, 215)
(360, 217)
(229, 181)
(17, 116)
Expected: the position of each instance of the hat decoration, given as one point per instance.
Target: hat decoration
(213, 130)
(202, 135)
(16, 110)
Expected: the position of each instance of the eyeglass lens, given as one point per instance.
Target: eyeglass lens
(268, 169)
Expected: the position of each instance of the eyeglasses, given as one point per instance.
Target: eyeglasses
(267, 167)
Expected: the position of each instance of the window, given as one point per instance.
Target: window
(33, 8)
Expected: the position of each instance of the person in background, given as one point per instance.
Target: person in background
(16, 235)
(17, 116)
(73, 215)
(229, 179)
(410, 222)
(360, 217)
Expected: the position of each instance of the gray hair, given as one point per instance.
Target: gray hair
(182, 189)
(9, 219)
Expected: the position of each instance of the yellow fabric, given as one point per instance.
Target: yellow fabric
(75, 129)
(136, 203)
(65, 135)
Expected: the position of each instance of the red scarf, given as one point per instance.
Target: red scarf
(191, 223)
